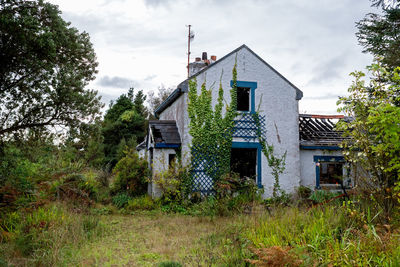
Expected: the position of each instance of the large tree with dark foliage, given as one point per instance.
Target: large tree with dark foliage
(45, 65)
(124, 124)
(380, 34)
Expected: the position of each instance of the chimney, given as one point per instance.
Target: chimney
(214, 58)
(198, 59)
(204, 56)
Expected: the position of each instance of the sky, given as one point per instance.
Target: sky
(143, 43)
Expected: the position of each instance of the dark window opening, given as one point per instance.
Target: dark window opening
(244, 161)
(171, 160)
(331, 172)
(243, 99)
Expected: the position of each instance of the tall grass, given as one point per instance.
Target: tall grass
(45, 235)
(327, 235)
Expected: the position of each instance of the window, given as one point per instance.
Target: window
(244, 161)
(243, 99)
(171, 160)
(331, 172)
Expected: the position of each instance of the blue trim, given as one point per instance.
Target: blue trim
(317, 176)
(162, 145)
(252, 86)
(320, 147)
(252, 145)
(328, 158)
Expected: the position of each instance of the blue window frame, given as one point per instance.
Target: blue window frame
(318, 159)
(258, 147)
(252, 86)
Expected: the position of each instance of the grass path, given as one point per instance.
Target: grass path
(148, 239)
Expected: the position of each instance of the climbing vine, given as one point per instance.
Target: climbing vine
(210, 129)
(277, 164)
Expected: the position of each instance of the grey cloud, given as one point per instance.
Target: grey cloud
(150, 77)
(329, 70)
(116, 82)
(324, 96)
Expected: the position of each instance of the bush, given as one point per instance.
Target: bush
(131, 175)
(141, 203)
(175, 184)
(121, 200)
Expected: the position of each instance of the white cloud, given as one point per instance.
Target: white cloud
(312, 43)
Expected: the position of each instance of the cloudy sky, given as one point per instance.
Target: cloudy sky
(143, 43)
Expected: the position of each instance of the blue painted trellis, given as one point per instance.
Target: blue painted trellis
(204, 166)
(246, 127)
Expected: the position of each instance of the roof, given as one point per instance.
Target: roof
(141, 146)
(165, 132)
(183, 86)
(319, 130)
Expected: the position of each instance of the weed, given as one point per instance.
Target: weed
(121, 200)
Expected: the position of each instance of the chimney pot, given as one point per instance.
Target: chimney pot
(198, 59)
(214, 58)
(204, 56)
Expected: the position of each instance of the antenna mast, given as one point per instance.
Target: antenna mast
(188, 53)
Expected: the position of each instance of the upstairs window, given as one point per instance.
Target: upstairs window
(243, 99)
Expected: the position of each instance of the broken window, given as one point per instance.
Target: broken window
(331, 172)
(243, 99)
(244, 161)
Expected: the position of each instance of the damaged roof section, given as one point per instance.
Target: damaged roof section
(319, 130)
(165, 134)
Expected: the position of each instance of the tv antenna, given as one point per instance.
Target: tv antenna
(190, 38)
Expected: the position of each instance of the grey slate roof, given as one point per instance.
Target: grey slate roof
(165, 132)
(319, 130)
(183, 86)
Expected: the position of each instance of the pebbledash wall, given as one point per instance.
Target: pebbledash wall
(275, 98)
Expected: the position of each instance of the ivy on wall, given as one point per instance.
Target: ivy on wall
(277, 164)
(211, 129)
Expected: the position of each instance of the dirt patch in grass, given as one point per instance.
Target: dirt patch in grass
(148, 239)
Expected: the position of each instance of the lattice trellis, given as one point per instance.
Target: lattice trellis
(204, 167)
(203, 170)
(246, 127)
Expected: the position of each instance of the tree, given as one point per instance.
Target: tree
(385, 3)
(154, 101)
(45, 66)
(380, 34)
(124, 125)
(373, 144)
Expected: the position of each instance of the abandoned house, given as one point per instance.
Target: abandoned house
(313, 156)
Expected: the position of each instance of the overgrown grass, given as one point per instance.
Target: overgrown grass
(155, 238)
(327, 235)
(324, 236)
(45, 235)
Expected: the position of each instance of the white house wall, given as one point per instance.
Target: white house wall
(160, 165)
(307, 165)
(277, 101)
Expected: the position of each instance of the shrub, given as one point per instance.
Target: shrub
(175, 184)
(141, 203)
(121, 200)
(131, 175)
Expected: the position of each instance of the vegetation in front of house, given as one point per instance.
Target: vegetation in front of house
(373, 146)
